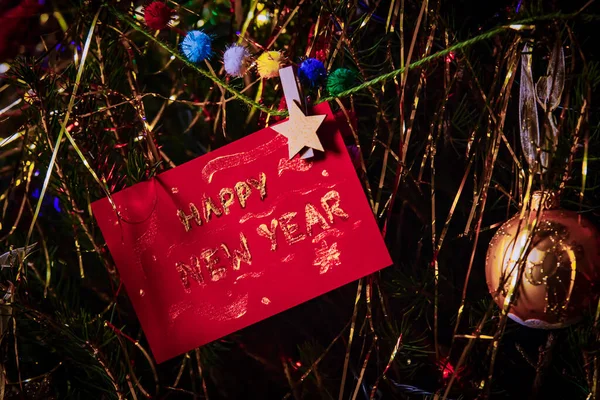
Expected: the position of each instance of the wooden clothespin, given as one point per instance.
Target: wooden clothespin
(299, 129)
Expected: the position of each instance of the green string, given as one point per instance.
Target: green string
(516, 25)
(458, 46)
(413, 65)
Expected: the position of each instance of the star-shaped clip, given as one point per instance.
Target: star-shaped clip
(300, 130)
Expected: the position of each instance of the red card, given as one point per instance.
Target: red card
(238, 235)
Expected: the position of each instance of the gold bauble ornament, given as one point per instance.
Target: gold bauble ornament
(544, 265)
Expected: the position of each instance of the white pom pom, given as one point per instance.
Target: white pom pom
(235, 60)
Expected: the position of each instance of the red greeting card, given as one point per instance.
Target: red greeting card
(238, 235)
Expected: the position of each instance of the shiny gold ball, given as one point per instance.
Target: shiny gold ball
(545, 269)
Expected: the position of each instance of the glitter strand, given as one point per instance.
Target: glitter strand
(63, 129)
(458, 46)
(182, 58)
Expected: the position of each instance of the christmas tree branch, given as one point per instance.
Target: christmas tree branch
(524, 24)
(63, 130)
(125, 18)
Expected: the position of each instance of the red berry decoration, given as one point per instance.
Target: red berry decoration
(157, 15)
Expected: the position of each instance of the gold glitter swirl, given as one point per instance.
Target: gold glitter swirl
(236, 308)
(296, 164)
(329, 232)
(249, 275)
(288, 258)
(233, 160)
(250, 215)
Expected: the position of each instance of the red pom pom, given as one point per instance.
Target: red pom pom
(157, 15)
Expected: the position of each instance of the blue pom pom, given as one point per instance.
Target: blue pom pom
(196, 46)
(312, 72)
(235, 60)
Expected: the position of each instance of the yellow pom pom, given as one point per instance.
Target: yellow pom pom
(268, 64)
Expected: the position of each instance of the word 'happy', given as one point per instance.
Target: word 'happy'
(242, 190)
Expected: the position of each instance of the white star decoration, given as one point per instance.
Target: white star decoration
(300, 130)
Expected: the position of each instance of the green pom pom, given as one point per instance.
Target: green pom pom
(340, 80)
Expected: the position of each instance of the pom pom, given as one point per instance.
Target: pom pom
(196, 46)
(340, 80)
(235, 60)
(157, 15)
(312, 72)
(269, 63)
